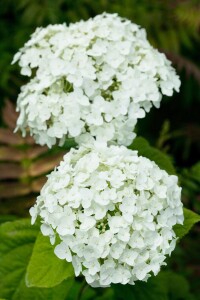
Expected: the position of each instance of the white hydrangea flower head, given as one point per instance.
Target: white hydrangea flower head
(97, 76)
(113, 212)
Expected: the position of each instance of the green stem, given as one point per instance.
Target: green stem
(82, 289)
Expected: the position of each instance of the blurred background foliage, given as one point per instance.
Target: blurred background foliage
(173, 27)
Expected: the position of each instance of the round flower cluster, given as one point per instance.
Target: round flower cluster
(97, 76)
(114, 213)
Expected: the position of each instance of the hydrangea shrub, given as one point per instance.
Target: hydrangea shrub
(106, 210)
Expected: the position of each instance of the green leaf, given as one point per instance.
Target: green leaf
(45, 269)
(160, 158)
(81, 290)
(195, 172)
(140, 291)
(59, 292)
(175, 285)
(108, 294)
(17, 241)
(166, 285)
(190, 218)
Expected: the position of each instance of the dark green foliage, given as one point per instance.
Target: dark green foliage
(173, 133)
(159, 157)
(30, 270)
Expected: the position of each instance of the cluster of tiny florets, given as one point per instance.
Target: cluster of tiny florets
(97, 76)
(107, 210)
(113, 213)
